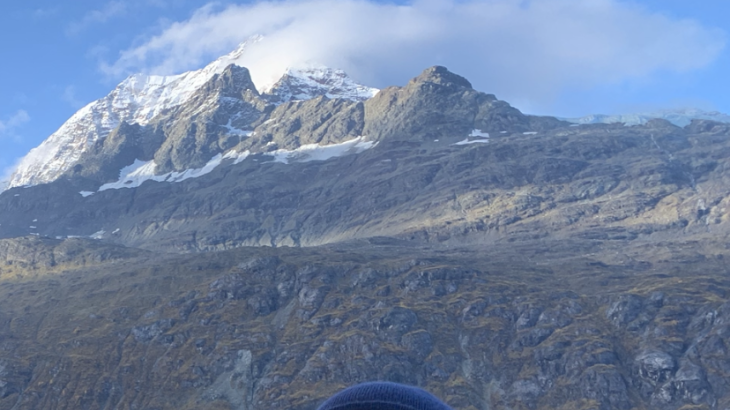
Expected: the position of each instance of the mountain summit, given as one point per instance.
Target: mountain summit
(141, 99)
(299, 84)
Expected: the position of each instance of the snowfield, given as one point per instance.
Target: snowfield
(140, 172)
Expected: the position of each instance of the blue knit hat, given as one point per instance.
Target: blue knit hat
(383, 396)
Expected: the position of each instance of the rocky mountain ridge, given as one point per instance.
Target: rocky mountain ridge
(440, 163)
(142, 99)
(258, 255)
(437, 105)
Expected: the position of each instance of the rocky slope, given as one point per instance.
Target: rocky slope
(444, 164)
(531, 325)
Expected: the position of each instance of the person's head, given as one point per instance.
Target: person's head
(383, 396)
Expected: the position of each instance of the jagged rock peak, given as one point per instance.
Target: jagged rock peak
(137, 99)
(441, 75)
(312, 81)
(140, 98)
(233, 81)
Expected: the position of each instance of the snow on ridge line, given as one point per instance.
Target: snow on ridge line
(307, 81)
(139, 172)
(137, 99)
(678, 117)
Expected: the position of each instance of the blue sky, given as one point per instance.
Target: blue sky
(606, 56)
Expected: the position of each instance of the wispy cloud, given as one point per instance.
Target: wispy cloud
(21, 98)
(6, 173)
(158, 3)
(9, 126)
(108, 11)
(520, 50)
(44, 13)
(69, 96)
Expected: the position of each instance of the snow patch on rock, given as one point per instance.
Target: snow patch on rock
(315, 152)
(134, 175)
(140, 172)
(483, 138)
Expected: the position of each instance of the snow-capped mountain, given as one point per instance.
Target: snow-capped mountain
(309, 82)
(140, 98)
(678, 117)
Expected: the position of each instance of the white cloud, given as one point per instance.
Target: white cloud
(44, 13)
(521, 50)
(69, 96)
(108, 11)
(8, 126)
(6, 173)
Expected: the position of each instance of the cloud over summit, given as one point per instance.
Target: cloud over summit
(520, 50)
